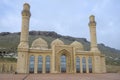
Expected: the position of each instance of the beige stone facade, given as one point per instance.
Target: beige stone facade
(7, 67)
(60, 58)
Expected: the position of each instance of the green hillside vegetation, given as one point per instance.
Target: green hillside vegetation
(2, 59)
(9, 42)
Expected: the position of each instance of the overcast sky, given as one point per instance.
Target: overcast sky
(66, 17)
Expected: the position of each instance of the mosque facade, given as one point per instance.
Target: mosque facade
(59, 58)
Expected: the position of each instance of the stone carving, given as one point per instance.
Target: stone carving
(39, 44)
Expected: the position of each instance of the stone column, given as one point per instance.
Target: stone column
(23, 47)
(87, 68)
(74, 60)
(53, 60)
(36, 64)
(81, 69)
(93, 39)
(44, 62)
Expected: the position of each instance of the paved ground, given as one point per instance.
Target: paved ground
(107, 76)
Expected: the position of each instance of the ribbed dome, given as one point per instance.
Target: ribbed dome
(39, 44)
(57, 42)
(77, 45)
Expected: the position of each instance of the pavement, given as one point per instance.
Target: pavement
(106, 76)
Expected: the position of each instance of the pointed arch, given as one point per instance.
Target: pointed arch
(64, 52)
(66, 55)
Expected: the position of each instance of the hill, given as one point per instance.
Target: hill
(9, 42)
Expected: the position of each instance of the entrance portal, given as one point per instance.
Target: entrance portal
(63, 64)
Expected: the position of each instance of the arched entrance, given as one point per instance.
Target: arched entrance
(63, 65)
(64, 62)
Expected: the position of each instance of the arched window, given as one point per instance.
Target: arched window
(63, 63)
(90, 64)
(40, 63)
(31, 64)
(84, 64)
(77, 64)
(47, 64)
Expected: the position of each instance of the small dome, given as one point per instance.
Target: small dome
(77, 45)
(57, 42)
(39, 44)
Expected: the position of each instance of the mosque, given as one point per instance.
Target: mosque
(59, 58)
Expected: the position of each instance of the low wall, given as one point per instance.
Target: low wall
(8, 67)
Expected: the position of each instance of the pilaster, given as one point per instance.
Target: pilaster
(53, 60)
(87, 65)
(36, 64)
(81, 68)
(74, 60)
(44, 67)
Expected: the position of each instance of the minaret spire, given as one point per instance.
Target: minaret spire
(25, 26)
(93, 39)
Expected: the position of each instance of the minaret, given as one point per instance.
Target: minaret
(25, 26)
(92, 26)
(94, 49)
(23, 47)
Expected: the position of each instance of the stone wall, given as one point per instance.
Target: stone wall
(8, 67)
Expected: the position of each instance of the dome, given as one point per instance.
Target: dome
(57, 42)
(39, 44)
(77, 45)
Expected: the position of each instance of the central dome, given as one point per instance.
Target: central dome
(57, 42)
(39, 44)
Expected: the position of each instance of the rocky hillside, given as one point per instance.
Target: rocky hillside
(9, 42)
